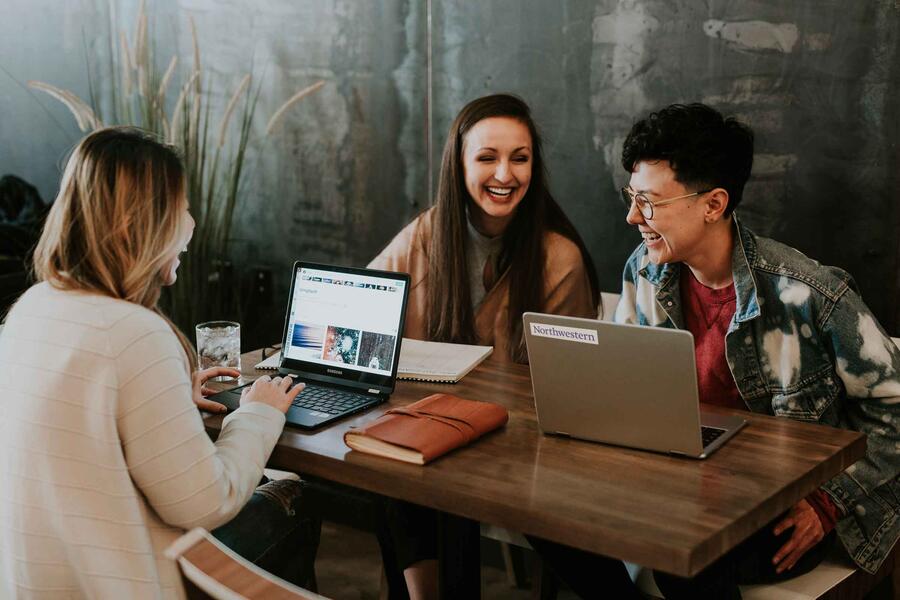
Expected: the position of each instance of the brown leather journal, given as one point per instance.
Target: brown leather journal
(427, 429)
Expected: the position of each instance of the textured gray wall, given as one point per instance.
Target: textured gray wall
(817, 79)
(44, 40)
(345, 165)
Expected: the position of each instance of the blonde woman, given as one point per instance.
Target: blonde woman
(104, 460)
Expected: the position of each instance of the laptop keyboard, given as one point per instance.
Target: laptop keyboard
(710, 434)
(330, 400)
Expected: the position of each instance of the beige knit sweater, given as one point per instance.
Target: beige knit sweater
(567, 287)
(103, 457)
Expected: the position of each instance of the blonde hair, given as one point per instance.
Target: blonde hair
(116, 221)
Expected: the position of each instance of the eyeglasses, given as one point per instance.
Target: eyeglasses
(645, 206)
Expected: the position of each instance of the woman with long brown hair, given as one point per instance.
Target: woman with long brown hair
(104, 459)
(495, 244)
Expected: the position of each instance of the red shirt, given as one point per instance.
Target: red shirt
(707, 314)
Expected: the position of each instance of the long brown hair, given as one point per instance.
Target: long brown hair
(449, 308)
(116, 221)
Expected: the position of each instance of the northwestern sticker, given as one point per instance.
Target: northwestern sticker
(570, 334)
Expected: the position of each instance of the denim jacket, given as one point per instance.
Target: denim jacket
(803, 345)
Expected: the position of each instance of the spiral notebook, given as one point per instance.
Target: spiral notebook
(425, 361)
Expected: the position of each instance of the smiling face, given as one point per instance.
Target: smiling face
(497, 161)
(677, 231)
(185, 232)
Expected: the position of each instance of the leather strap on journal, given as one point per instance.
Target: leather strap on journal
(468, 433)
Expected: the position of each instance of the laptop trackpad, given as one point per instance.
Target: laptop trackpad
(230, 398)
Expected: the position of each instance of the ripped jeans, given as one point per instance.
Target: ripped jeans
(275, 532)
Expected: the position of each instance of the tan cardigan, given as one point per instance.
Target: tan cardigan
(567, 289)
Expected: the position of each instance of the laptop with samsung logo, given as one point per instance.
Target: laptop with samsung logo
(342, 335)
(621, 384)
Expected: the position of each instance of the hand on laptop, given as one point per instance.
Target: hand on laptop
(200, 391)
(276, 392)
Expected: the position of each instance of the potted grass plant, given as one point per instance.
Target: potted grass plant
(214, 152)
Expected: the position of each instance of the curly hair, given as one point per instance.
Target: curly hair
(703, 148)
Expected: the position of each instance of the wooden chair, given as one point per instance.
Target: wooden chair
(209, 569)
(608, 303)
(275, 474)
(512, 543)
(836, 578)
(512, 547)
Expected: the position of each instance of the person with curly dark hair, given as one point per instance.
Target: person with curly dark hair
(774, 332)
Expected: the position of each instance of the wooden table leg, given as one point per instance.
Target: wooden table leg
(459, 556)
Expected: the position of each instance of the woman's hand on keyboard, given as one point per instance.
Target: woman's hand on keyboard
(276, 392)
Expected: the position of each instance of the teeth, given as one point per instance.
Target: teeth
(651, 236)
(499, 191)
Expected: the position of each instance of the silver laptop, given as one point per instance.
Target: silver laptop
(626, 385)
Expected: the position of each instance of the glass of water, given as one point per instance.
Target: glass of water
(219, 345)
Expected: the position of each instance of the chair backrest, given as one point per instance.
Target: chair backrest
(608, 303)
(209, 569)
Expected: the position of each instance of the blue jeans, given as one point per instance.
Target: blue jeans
(275, 532)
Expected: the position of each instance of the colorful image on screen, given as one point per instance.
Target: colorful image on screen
(376, 351)
(341, 345)
(307, 340)
(347, 318)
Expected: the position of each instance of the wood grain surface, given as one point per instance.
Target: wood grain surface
(669, 513)
(212, 568)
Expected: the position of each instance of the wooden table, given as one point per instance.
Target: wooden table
(668, 513)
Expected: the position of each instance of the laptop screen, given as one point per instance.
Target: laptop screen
(345, 323)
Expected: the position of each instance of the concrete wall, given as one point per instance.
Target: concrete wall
(344, 168)
(817, 79)
(344, 164)
(44, 40)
